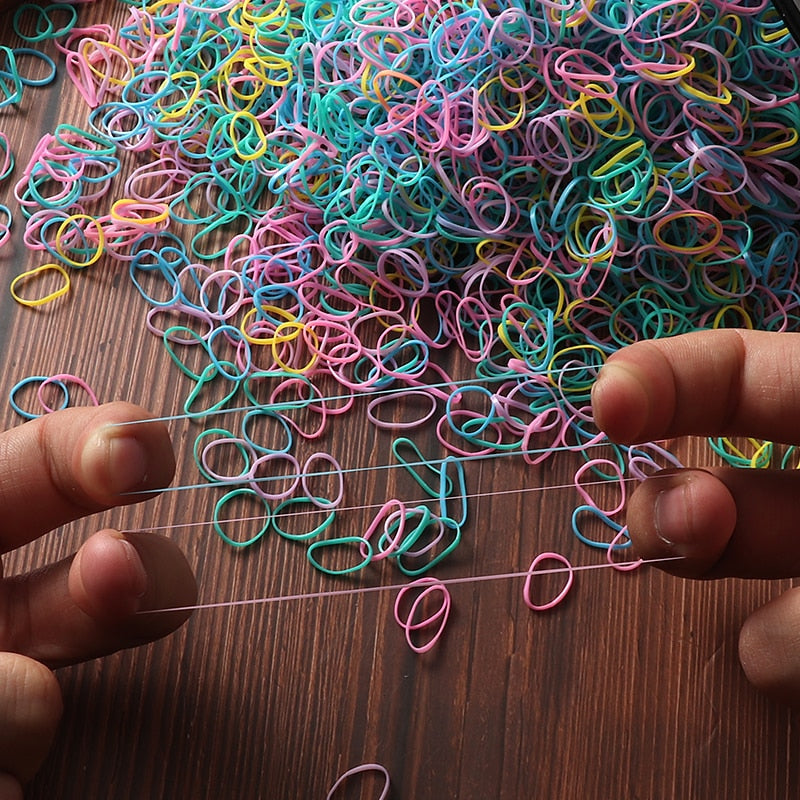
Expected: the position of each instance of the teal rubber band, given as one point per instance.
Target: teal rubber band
(410, 538)
(45, 29)
(787, 456)
(366, 549)
(718, 446)
(10, 80)
(297, 501)
(287, 405)
(237, 340)
(440, 556)
(458, 488)
(482, 423)
(101, 146)
(262, 448)
(208, 376)
(169, 344)
(224, 500)
(209, 232)
(420, 461)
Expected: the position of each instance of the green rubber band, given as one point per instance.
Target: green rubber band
(224, 500)
(209, 373)
(338, 542)
(301, 537)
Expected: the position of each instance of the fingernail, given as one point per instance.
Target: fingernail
(125, 460)
(137, 572)
(671, 515)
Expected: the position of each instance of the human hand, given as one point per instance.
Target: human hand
(727, 521)
(53, 470)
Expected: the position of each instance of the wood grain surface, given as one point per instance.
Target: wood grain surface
(630, 689)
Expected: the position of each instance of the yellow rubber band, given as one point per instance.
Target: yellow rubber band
(120, 206)
(63, 228)
(720, 316)
(274, 338)
(301, 328)
(32, 273)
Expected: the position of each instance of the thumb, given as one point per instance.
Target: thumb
(732, 522)
(30, 708)
(724, 522)
(769, 648)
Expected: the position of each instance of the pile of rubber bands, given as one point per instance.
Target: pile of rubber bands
(536, 183)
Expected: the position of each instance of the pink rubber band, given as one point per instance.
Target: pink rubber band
(439, 617)
(526, 591)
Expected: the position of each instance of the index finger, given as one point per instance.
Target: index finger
(711, 383)
(76, 462)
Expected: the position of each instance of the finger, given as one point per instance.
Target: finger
(76, 462)
(30, 708)
(710, 382)
(769, 648)
(724, 522)
(10, 787)
(88, 606)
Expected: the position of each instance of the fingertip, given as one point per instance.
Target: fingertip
(10, 787)
(620, 402)
(30, 708)
(769, 648)
(688, 513)
(107, 579)
(114, 576)
(119, 459)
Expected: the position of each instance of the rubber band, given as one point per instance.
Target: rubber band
(597, 514)
(313, 554)
(87, 241)
(378, 402)
(398, 535)
(413, 559)
(11, 84)
(205, 380)
(22, 53)
(34, 379)
(526, 591)
(31, 276)
(258, 443)
(450, 489)
(391, 516)
(226, 439)
(336, 472)
(620, 541)
(294, 502)
(415, 620)
(402, 443)
(43, 23)
(61, 380)
(5, 224)
(231, 496)
(616, 476)
(292, 478)
(361, 768)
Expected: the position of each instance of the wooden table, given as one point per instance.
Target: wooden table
(630, 689)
